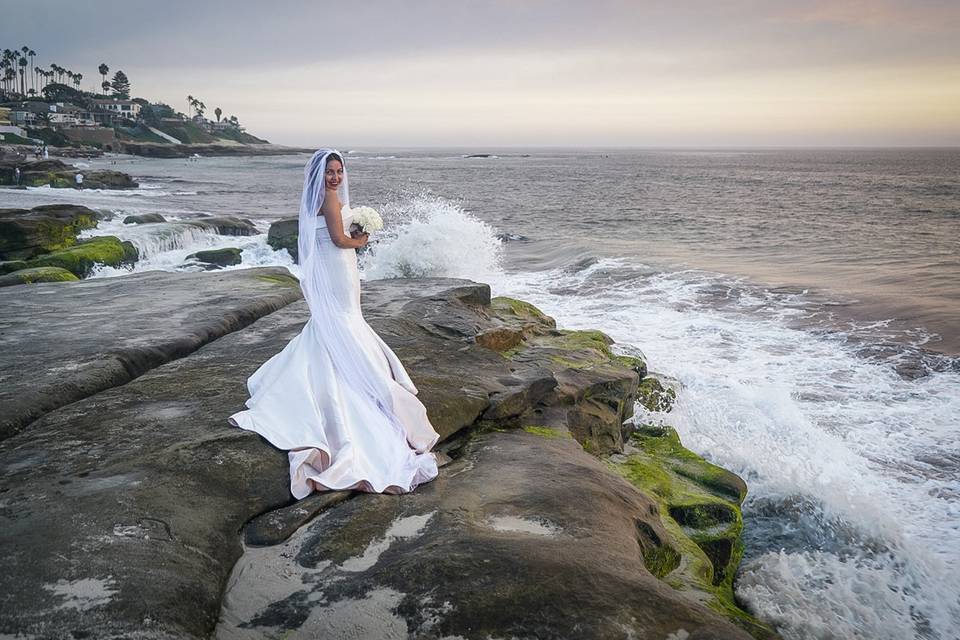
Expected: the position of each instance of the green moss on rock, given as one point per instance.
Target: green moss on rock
(546, 432)
(25, 233)
(636, 363)
(84, 256)
(36, 274)
(654, 396)
(502, 305)
(282, 280)
(699, 504)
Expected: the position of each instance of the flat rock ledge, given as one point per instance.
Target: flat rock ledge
(130, 508)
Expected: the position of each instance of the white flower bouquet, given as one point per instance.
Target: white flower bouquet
(365, 220)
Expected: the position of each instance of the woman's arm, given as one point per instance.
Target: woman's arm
(331, 213)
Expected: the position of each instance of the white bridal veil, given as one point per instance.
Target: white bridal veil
(334, 323)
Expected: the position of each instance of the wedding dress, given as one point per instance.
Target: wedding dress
(337, 398)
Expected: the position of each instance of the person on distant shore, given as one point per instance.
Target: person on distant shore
(16, 175)
(46, 154)
(79, 179)
(337, 398)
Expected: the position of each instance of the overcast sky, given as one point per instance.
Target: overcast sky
(373, 73)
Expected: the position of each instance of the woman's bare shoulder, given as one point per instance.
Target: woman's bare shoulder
(331, 202)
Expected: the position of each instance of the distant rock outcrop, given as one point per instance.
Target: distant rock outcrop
(145, 218)
(55, 173)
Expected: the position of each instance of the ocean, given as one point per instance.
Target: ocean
(807, 300)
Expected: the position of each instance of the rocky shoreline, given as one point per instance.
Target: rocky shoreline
(156, 150)
(131, 508)
(42, 245)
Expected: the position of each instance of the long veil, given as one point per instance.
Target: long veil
(331, 321)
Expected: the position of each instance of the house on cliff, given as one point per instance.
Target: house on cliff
(106, 111)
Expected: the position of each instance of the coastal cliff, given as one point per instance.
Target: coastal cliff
(131, 507)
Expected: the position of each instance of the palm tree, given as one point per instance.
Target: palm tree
(32, 54)
(218, 112)
(104, 70)
(105, 85)
(190, 101)
(4, 61)
(201, 108)
(23, 75)
(77, 77)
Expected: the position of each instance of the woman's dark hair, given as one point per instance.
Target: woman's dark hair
(334, 156)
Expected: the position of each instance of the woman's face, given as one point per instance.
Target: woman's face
(333, 174)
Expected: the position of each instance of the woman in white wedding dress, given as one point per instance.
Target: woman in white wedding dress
(337, 398)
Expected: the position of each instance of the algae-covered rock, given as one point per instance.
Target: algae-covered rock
(220, 257)
(283, 234)
(699, 504)
(25, 233)
(62, 176)
(107, 180)
(655, 396)
(81, 258)
(146, 218)
(36, 274)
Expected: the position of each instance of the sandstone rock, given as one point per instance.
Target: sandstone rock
(37, 274)
(146, 218)
(283, 234)
(25, 233)
(524, 534)
(101, 333)
(220, 257)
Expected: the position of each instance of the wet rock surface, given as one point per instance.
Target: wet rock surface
(219, 257)
(524, 536)
(146, 218)
(25, 233)
(62, 342)
(123, 513)
(37, 274)
(283, 234)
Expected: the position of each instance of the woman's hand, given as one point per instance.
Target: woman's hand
(361, 238)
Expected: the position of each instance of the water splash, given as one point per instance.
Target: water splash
(853, 518)
(427, 236)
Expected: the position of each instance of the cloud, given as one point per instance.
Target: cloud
(611, 71)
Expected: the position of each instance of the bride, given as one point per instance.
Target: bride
(337, 398)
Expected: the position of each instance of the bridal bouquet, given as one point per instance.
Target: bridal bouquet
(366, 219)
